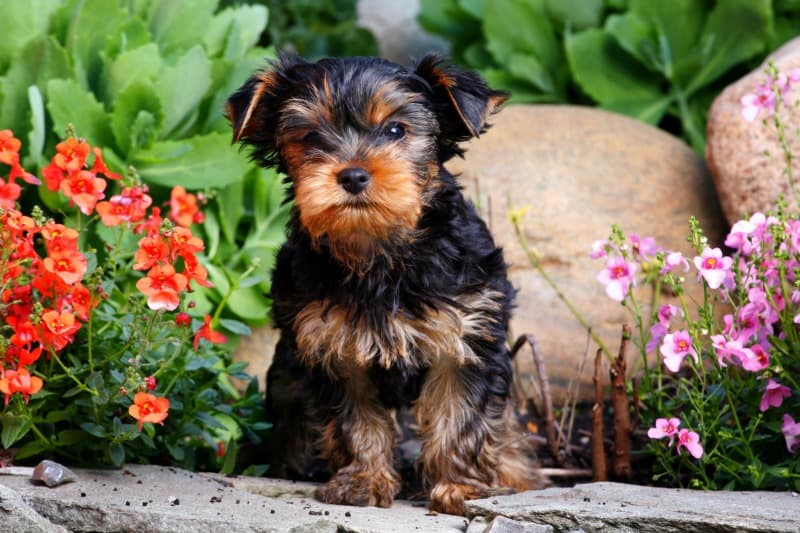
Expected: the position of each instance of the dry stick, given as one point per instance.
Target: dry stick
(574, 395)
(635, 421)
(599, 466)
(621, 460)
(547, 400)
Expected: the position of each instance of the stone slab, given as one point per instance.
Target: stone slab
(17, 516)
(623, 508)
(156, 499)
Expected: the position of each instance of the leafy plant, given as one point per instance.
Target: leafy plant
(137, 80)
(660, 62)
(95, 351)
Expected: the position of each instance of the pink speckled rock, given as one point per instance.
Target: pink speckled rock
(745, 158)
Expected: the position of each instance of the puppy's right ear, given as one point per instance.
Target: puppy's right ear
(253, 109)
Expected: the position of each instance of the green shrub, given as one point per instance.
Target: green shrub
(660, 62)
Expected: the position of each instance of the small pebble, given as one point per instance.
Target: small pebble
(174, 501)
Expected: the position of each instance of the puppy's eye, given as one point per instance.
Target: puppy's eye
(311, 137)
(394, 131)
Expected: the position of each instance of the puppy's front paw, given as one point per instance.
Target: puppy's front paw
(450, 497)
(360, 487)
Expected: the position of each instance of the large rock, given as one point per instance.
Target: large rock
(580, 170)
(745, 158)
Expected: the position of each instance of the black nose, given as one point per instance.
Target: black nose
(353, 179)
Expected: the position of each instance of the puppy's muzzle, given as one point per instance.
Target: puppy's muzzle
(353, 179)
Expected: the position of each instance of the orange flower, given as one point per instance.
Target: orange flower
(183, 207)
(183, 242)
(59, 329)
(161, 286)
(9, 194)
(148, 408)
(59, 239)
(205, 332)
(70, 157)
(9, 155)
(69, 265)
(20, 381)
(84, 189)
(129, 206)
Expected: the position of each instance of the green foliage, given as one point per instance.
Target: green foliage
(316, 28)
(660, 62)
(139, 81)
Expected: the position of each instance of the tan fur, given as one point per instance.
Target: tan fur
(361, 454)
(327, 336)
(466, 453)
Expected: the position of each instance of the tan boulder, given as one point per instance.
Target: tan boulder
(580, 170)
(745, 158)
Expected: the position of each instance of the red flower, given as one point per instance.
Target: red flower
(129, 206)
(184, 243)
(9, 194)
(70, 158)
(150, 383)
(149, 408)
(152, 250)
(59, 238)
(205, 332)
(20, 381)
(183, 319)
(99, 166)
(70, 266)
(9, 155)
(195, 271)
(84, 189)
(161, 286)
(58, 329)
(183, 207)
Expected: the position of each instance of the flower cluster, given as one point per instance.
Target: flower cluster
(766, 95)
(46, 295)
(686, 439)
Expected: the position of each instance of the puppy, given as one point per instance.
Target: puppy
(389, 291)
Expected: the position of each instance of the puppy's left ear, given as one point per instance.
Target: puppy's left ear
(240, 107)
(464, 98)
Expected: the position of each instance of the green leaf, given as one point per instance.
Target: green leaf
(40, 60)
(532, 33)
(231, 201)
(177, 25)
(116, 452)
(204, 161)
(37, 133)
(182, 86)
(85, 41)
(235, 30)
(211, 226)
(137, 117)
(69, 103)
(576, 14)
(235, 326)
(141, 63)
(132, 34)
(14, 428)
(736, 30)
(21, 22)
(607, 74)
(95, 430)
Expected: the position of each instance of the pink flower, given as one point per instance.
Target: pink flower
(754, 358)
(674, 260)
(666, 312)
(715, 268)
(599, 249)
(691, 441)
(657, 332)
(773, 395)
(753, 103)
(675, 348)
(730, 350)
(617, 276)
(791, 432)
(664, 428)
(645, 247)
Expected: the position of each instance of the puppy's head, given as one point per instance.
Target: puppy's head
(361, 140)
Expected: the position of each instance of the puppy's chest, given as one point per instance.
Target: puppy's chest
(333, 335)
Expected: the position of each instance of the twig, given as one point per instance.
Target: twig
(599, 466)
(547, 400)
(565, 472)
(621, 460)
(572, 399)
(635, 421)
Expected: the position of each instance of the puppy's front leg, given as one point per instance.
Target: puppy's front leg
(471, 448)
(357, 443)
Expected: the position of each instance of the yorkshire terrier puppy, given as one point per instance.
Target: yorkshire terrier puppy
(389, 291)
